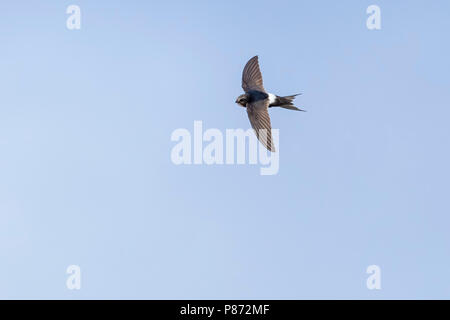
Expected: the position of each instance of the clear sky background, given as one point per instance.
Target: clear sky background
(86, 176)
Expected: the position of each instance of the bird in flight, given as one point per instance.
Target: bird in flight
(258, 101)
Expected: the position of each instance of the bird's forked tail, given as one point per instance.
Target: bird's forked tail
(287, 102)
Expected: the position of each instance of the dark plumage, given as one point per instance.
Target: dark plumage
(257, 101)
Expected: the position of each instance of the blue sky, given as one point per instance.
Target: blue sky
(85, 171)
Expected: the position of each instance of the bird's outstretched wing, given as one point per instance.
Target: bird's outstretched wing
(251, 76)
(260, 121)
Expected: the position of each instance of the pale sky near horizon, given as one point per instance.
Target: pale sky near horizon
(86, 176)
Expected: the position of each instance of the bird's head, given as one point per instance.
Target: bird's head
(242, 100)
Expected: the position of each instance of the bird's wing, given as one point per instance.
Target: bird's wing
(260, 121)
(251, 76)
